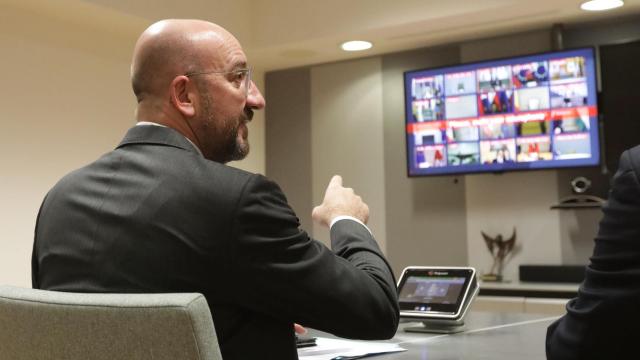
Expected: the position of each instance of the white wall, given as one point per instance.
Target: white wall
(426, 216)
(346, 135)
(63, 103)
(496, 204)
(65, 100)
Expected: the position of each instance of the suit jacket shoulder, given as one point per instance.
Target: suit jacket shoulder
(155, 216)
(601, 322)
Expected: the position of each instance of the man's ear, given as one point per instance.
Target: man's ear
(182, 96)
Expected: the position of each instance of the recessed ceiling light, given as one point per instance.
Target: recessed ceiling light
(356, 45)
(600, 5)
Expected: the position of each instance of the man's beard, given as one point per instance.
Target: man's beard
(226, 145)
(238, 148)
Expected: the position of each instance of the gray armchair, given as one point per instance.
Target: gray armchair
(37, 324)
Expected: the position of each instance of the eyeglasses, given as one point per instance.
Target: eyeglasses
(242, 77)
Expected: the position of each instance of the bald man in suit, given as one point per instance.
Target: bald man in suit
(163, 213)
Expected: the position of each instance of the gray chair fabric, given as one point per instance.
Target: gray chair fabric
(38, 324)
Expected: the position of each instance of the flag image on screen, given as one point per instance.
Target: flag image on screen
(531, 74)
(431, 156)
(528, 112)
(536, 148)
(496, 102)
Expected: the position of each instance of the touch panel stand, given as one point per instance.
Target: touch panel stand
(445, 326)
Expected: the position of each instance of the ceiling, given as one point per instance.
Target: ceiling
(279, 34)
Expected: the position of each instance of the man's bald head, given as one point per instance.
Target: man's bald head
(192, 76)
(172, 47)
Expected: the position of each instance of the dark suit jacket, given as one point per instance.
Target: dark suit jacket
(155, 216)
(602, 322)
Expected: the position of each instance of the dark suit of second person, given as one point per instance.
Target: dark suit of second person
(602, 322)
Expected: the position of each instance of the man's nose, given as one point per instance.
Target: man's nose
(255, 100)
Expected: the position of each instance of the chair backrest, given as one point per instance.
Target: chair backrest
(38, 324)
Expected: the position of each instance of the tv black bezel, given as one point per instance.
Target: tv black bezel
(600, 145)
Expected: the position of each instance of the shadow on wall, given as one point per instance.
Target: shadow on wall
(581, 227)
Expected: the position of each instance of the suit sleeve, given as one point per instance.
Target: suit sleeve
(349, 292)
(602, 321)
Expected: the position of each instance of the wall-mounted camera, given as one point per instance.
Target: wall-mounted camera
(580, 185)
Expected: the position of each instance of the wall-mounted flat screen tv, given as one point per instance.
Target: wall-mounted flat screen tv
(520, 113)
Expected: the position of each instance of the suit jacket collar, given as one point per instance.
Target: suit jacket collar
(157, 135)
